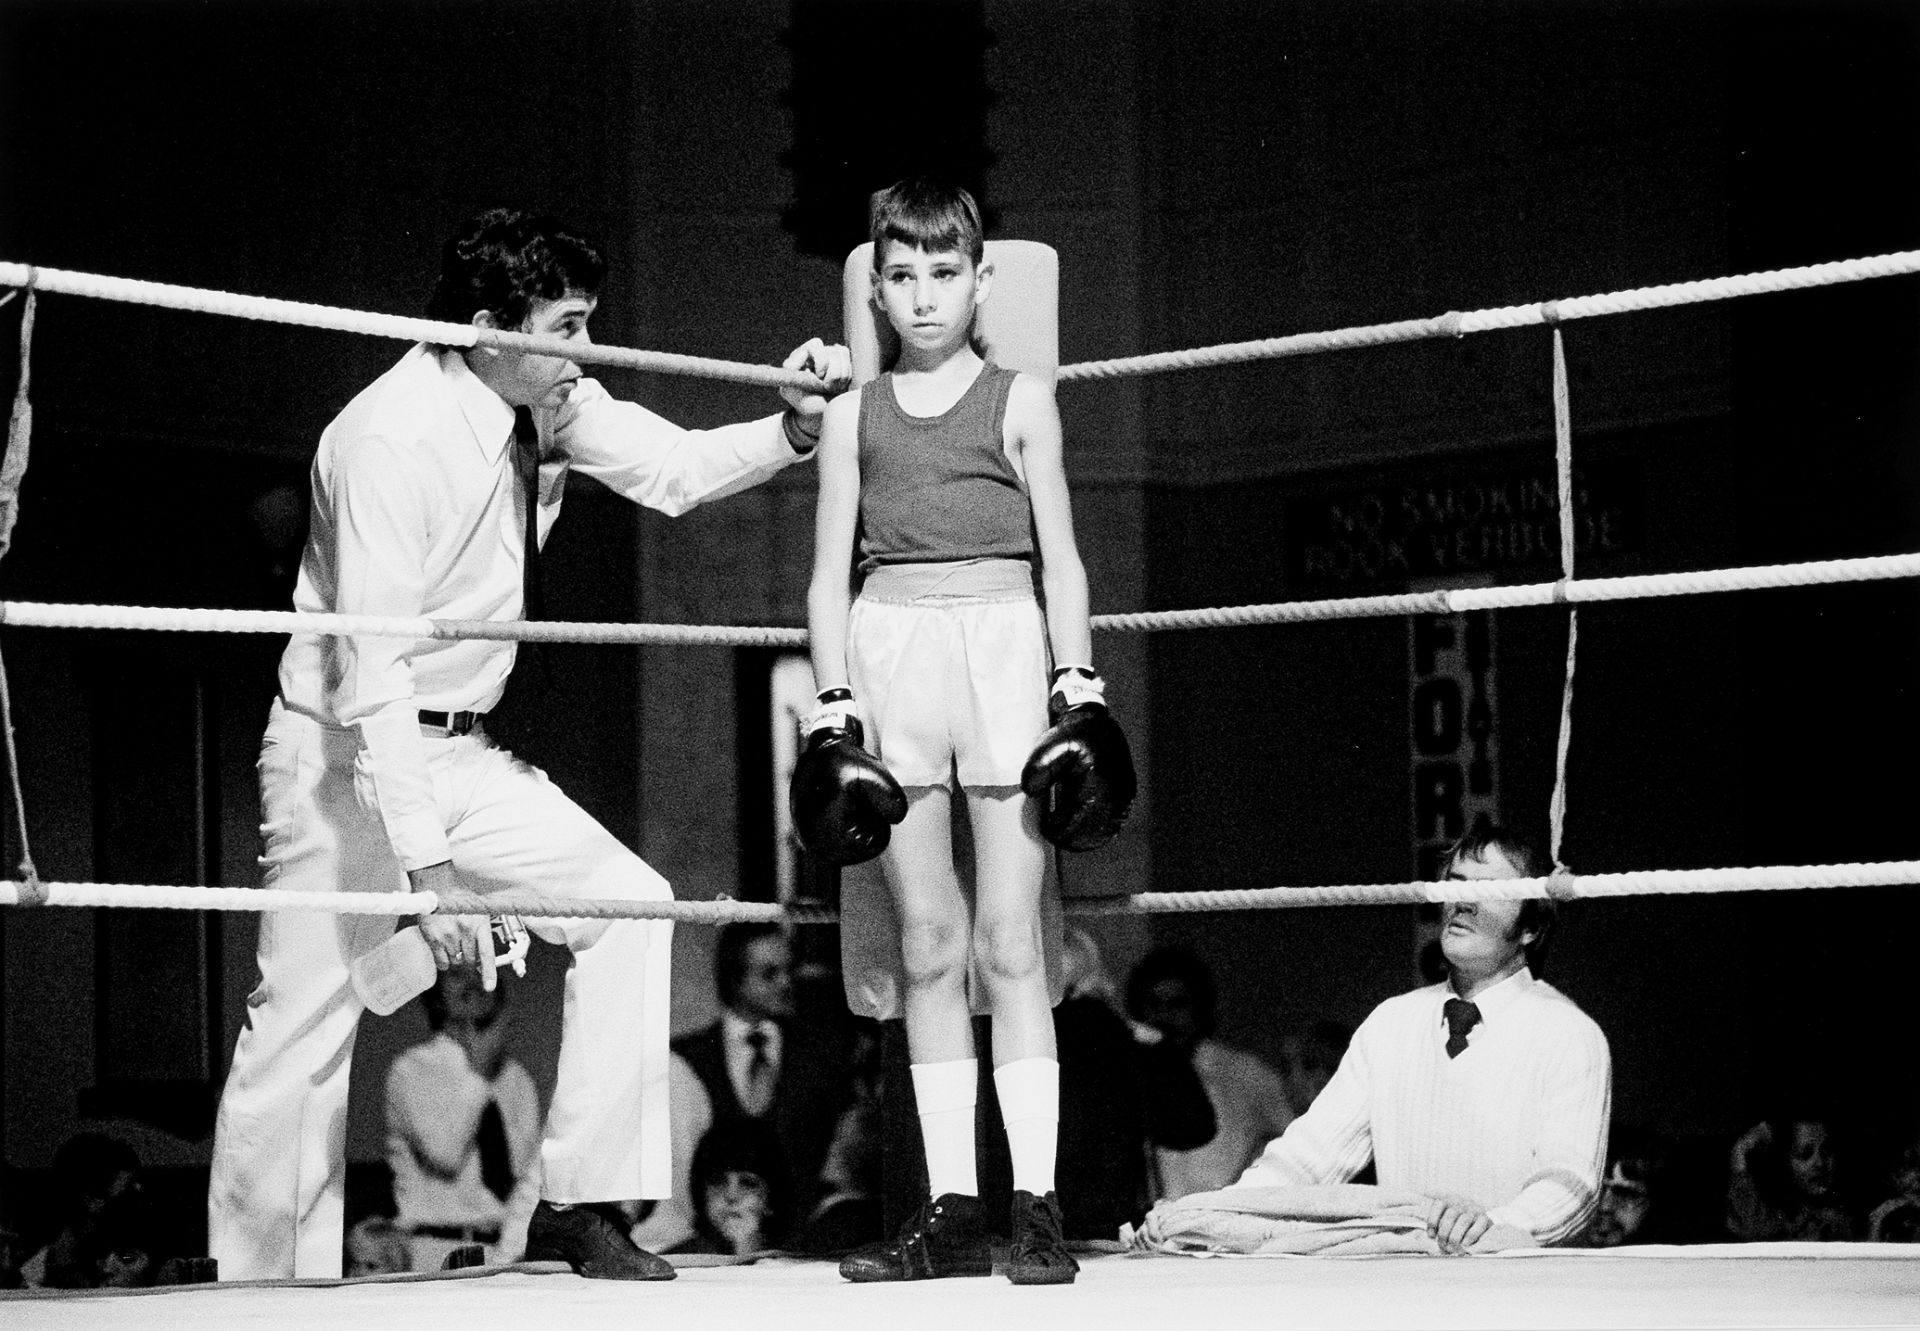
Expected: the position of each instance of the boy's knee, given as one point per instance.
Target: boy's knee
(1007, 949)
(931, 951)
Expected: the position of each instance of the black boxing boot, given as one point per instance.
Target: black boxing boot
(942, 1238)
(1039, 1255)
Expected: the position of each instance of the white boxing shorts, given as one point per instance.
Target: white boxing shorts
(949, 664)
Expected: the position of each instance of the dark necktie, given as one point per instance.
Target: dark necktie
(496, 1162)
(526, 464)
(759, 1075)
(1462, 1017)
(511, 722)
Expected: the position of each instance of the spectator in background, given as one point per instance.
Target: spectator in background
(376, 1247)
(120, 1250)
(753, 1067)
(1172, 991)
(739, 1202)
(1781, 1183)
(1897, 1218)
(90, 1170)
(1634, 1206)
(1308, 1060)
(463, 1129)
(849, 1211)
(1895, 1221)
(1122, 1097)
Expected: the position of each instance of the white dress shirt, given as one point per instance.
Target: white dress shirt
(734, 1030)
(1517, 1122)
(434, 1102)
(417, 511)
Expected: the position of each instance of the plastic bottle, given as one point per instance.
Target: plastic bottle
(403, 966)
(394, 972)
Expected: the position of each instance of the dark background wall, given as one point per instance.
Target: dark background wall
(1209, 171)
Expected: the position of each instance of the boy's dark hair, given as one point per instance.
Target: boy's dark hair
(1537, 913)
(503, 260)
(928, 215)
(1171, 961)
(730, 955)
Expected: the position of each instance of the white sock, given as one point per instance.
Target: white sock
(1030, 1105)
(944, 1094)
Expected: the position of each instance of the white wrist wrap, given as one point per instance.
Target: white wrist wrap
(1078, 685)
(835, 714)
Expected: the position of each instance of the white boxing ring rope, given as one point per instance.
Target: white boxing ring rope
(1561, 884)
(1458, 600)
(1454, 324)
(725, 910)
(197, 301)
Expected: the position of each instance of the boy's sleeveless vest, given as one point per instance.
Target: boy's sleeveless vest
(936, 488)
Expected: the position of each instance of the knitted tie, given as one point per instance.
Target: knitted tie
(1462, 1017)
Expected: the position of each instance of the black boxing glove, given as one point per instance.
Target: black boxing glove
(844, 803)
(1081, 772)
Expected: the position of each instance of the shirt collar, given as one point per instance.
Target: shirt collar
(735, 1028)
(487, 413)
(1496, 999)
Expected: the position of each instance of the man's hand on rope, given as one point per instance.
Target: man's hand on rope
(455, 940)
(829, 362)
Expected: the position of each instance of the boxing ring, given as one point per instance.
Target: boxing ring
(1701, 1285)
(1730, 1285)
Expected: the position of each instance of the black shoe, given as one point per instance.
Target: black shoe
(942, 1238)
(592, 1239)
(1039, 1255)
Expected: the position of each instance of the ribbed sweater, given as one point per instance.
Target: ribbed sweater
(1517, 1122)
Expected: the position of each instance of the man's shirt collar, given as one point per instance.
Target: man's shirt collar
(735, 1028)
(487, 413)
(1497, 998)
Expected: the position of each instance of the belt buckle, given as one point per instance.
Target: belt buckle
(454, 724)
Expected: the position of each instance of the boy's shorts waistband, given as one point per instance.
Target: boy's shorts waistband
(969, 579)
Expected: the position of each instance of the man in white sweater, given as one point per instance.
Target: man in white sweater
(1488, 1092)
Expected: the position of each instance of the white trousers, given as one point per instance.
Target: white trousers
(279, 1158)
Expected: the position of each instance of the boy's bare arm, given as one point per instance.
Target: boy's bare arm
(835, 520)
(1033, 419)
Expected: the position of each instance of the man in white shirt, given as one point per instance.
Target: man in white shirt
(463, 1129)
(1488, 1092)
(377, 773)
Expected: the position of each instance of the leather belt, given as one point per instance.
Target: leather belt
(454, 723)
